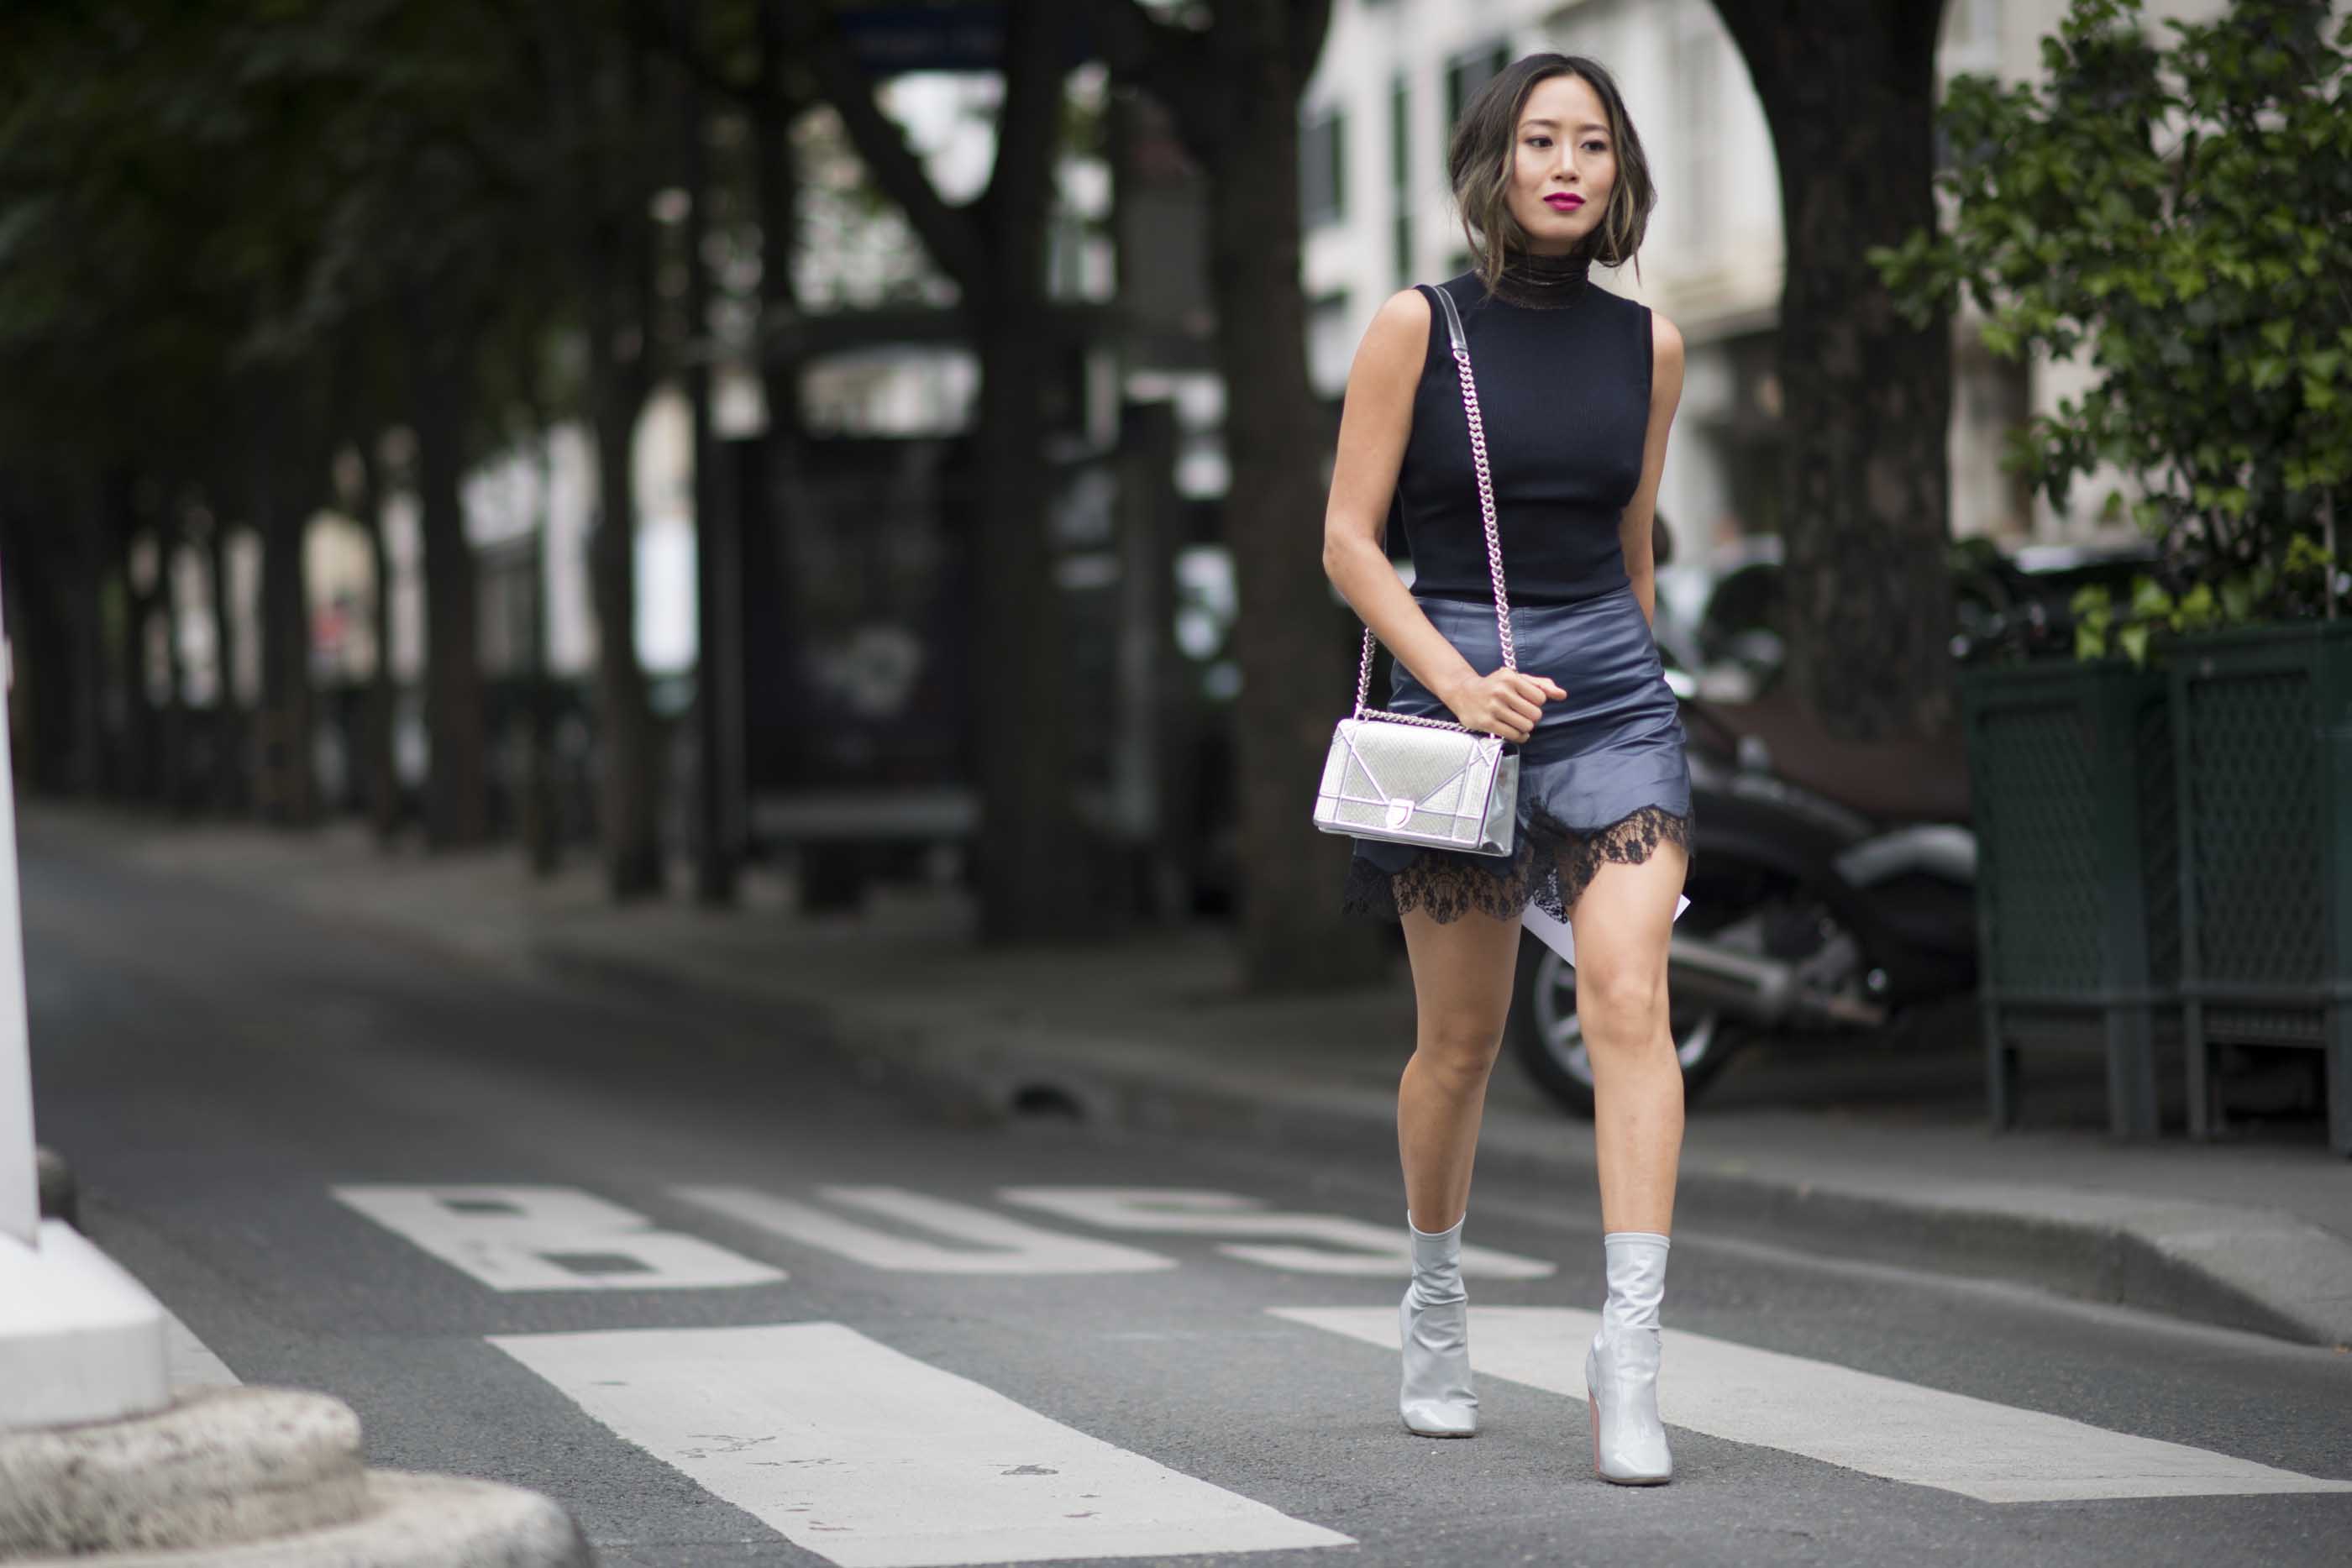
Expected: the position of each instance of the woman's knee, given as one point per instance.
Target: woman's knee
(1620, 1001)
(1460, 1043)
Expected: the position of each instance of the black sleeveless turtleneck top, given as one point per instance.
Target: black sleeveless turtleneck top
(1563, 373)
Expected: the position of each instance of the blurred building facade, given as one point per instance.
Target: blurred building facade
(1376, 119)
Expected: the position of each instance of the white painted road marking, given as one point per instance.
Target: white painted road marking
(551, 1238)
(875, 1460)
(1347, 1246)
(1879, 1426)
(986, 1243)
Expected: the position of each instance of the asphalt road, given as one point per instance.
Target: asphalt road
(727, 1308)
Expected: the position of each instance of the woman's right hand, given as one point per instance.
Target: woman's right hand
(1506, 702)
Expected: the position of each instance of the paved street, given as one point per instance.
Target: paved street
(666, 1267)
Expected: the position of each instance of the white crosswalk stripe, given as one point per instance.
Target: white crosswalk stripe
(875, 1459)
(977, 1240)
(1879, 1426)
(870, 1456)
(1341, 1245)
(551, 1238)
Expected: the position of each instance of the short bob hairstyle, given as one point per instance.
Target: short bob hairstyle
(1480, 165)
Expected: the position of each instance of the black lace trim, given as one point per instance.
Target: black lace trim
(1550, 868)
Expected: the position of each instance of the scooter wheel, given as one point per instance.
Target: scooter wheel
(1549, 1043)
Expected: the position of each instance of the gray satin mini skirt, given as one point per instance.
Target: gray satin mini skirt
(1603, 778)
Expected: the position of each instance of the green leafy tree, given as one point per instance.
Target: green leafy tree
(2182, 216)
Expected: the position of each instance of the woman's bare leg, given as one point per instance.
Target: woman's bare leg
(1462, 975)
(1623, 922)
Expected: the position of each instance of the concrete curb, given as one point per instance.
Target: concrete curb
(2234, 1266)
(406, 1522)
(256, 1477)
(217, 1464)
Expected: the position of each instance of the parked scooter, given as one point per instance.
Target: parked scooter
(1831, 887)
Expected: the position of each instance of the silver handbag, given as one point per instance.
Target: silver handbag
(1424, 782)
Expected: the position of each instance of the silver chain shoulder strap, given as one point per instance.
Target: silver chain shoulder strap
(1486, 510)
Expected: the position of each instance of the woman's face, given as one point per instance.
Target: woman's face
(1563, 164)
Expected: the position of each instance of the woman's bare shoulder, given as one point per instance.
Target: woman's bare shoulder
(1665, 341)
(1405, 308)
(1397, 341)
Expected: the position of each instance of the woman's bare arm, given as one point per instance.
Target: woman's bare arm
(1374, 425)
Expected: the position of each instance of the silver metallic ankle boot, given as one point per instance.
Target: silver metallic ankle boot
(1629, 1441)
(1434, 1321)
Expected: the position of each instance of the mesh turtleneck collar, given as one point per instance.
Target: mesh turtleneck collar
(1543, 282)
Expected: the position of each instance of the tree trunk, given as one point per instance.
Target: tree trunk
(603, 207)
(81, 572)
(1233, 93)
(231, 778)
(542, 828)
(86, 612)
(138, 717)
(110, 584)
(1033, 866)
(288, 792)
(456, 790)
(44, 601)
(1849, 89)
(172, 751)
(776, 508)
(1036, 865)
(628, 820)
(40, 665)
(718, 658)
(1293, 646)
(378, 758)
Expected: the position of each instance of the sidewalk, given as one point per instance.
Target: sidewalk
(1868, 1152)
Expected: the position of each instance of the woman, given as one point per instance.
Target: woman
(1576, 388)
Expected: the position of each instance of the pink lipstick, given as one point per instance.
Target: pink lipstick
(1563, 202)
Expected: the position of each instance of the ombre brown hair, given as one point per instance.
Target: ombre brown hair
(1486, 141)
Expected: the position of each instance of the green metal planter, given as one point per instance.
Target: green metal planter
(2262, 745)
(2071, 778)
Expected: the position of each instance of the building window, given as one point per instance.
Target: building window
(1971, 40)
(1400, 177)
(1468, 73)
(1700, 81)
(1323, 170)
